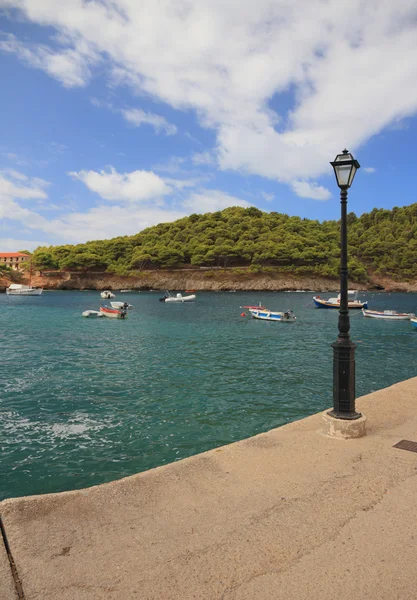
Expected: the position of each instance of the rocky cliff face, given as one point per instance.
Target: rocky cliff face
(208, 280)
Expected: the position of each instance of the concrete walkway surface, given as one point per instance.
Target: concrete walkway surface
(289, 514)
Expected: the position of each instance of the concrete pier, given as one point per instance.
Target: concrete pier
(289, 514)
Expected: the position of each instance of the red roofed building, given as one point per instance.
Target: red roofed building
(13, 259)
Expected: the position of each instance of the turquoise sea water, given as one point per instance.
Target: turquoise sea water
(84, 401)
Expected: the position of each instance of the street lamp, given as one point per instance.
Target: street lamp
(345, 167)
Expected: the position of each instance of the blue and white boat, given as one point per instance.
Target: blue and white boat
(353, 301)
(414, 322)
(268, 315)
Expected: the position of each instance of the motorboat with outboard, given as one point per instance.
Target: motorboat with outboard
(268, 315)
(107, 294)
(124, 305)
(113, 313)
(177, 298)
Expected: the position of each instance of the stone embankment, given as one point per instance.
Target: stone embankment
(286, 515)
(204, 280)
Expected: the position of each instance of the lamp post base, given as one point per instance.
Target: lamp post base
(343, 429)
(344, 380)
(345, 416)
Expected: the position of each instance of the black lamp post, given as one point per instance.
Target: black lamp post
(345, 167)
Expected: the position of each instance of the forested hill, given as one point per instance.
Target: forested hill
(383, 242)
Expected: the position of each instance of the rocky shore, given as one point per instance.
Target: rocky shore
(204, 280)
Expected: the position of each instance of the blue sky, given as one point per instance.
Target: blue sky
(117, 115)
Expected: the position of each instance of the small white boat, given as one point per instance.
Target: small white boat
(16, 289)
(391, 315)
(268, 315)
(124, 305)
(414, 321)
(107, 294)
(178, 298)
(92, 313)
(353, 302)
(113, 313)
(125, 291)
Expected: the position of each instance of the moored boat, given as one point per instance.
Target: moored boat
(107, 294)
(391, 315)
(335, 302)
(268, 315)
(92, 313)
(414, 321)
(124, 305)
(178, 298)
(113, 313)
(17, 289)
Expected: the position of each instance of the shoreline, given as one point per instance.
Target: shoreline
(205, 280)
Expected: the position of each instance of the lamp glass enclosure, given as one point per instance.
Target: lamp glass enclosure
(345, 167)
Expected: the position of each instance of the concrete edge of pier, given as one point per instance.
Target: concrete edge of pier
(288, 514)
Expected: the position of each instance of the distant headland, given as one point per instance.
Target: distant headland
(238, 249)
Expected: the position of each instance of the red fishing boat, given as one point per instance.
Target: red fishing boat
(113, 313)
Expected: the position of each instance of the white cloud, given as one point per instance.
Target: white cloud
(14, 245)
(267, 197)
(211, 201)
(203, 158)
(101, 103)
(10, 210)
(369, 169)
(137, 186)
(226, 60)
(105, 222)
(305, 189)
(57, 148)
(127, 215)
(138, 117)
(14, 174)
(31, 190)
(70, 66)
(180, 184)
(11, 156)
(37, 181)
(99, 222)
(173, 166)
